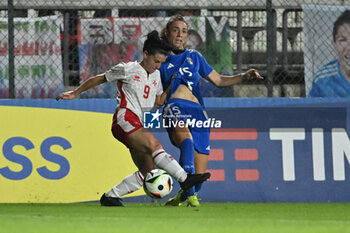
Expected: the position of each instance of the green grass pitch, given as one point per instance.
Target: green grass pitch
(153, 217)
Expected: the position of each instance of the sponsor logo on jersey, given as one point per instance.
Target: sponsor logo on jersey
(170, 66)
(137, 78)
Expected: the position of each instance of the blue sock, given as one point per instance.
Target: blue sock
(187, 162)
(198, 187)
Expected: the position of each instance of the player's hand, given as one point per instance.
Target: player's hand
(66, 95)
(173, 76)
(251, 74)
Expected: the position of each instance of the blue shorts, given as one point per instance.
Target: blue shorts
(193, 115)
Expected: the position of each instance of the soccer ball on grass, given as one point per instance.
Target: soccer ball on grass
(158, 184)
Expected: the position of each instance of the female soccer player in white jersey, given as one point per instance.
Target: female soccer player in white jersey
(140, 88)
(185, 100)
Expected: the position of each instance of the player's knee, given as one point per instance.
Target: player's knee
(154, 145)
(178, 137)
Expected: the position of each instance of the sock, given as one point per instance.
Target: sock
(168, 163)
(187, 162)
(197, 187)
(129, 184)
(187, 155)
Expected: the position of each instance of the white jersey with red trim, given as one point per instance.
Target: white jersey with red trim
(137, 89)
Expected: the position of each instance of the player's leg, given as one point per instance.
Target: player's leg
(124, 124)
(200, 161)
(142, 161)
(140, 153)
(133, 182)
(128, 129)
(182, 138)
(202, 150)
(129, 184)
(144, 141)
(200, 143)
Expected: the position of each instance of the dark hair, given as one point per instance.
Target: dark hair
(342, 19)
(154, 44)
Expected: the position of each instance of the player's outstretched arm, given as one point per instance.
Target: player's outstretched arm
(224, 81)
(251, 74)
(90, 83)
(161, 99)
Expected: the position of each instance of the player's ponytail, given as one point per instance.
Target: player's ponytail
(153, 35)
(154, 44)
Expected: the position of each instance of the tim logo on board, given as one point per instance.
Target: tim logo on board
(151, 120)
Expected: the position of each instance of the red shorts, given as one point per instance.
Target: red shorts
(124, 123)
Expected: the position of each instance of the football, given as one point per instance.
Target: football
(158, 184)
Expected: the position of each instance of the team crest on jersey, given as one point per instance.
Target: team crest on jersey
(189, 60)
(137, 78)
(155, 83)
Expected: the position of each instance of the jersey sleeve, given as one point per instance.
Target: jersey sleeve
(314, 92)
(117, 72)
(163, 75)
(204, 68)
(316, 89)
(159, 88)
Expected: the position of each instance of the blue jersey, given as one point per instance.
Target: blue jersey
(330, 82)
(188, 66)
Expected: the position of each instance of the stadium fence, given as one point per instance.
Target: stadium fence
(49, 46)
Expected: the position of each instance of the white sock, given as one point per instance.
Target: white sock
(129, 184)
(168, 163)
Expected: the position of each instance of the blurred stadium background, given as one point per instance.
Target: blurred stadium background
(47, 46)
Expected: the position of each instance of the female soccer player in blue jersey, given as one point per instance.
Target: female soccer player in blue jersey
(185, 102)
